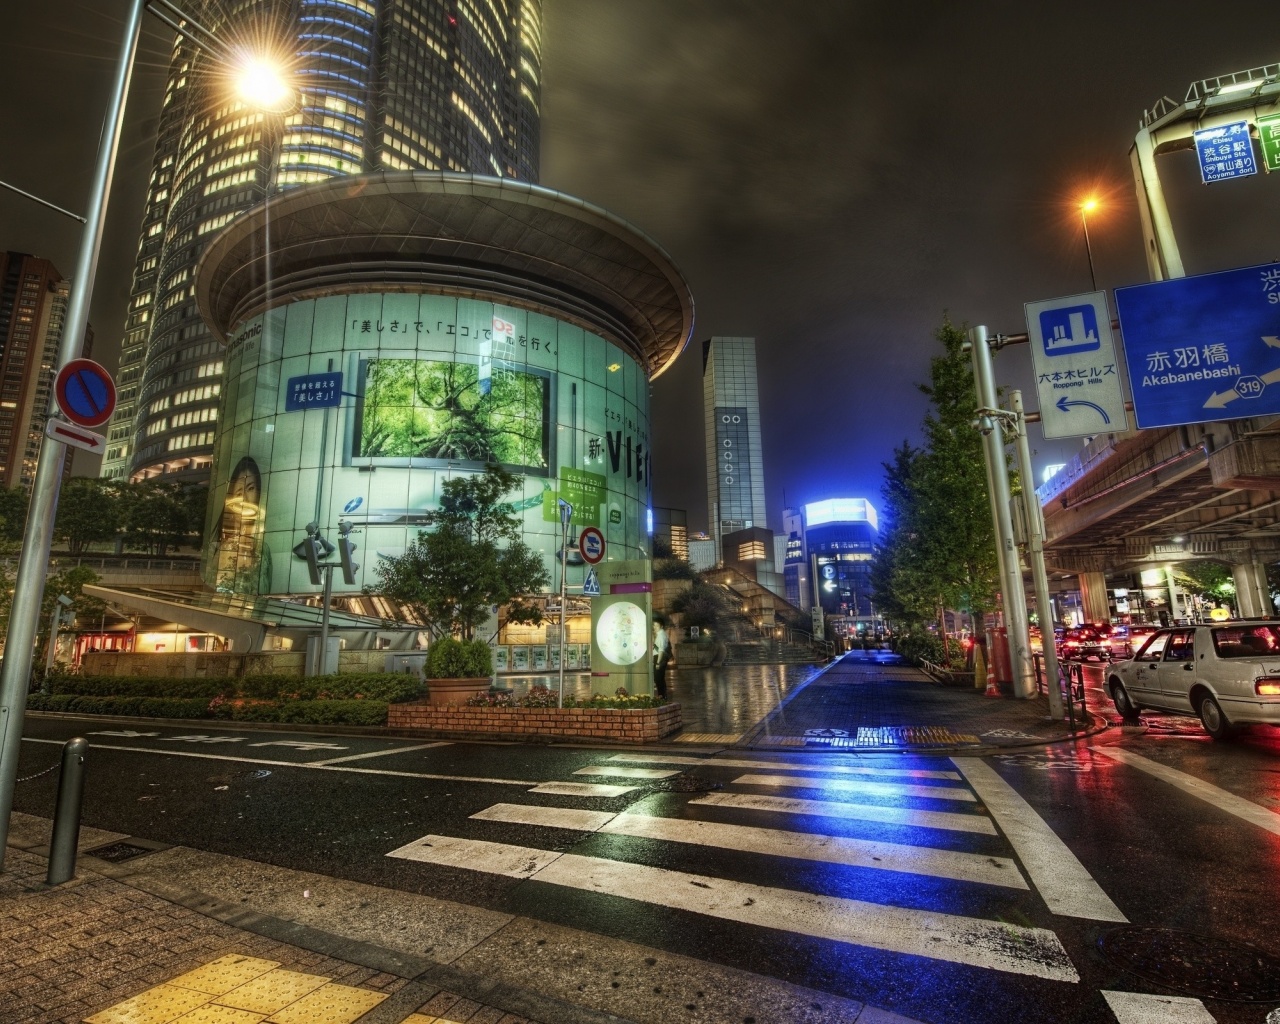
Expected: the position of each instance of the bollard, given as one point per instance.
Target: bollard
(66, 817)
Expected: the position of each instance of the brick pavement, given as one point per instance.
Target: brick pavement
(899, 707)
(71, 951)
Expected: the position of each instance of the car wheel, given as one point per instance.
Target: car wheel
(1214, 721)
(1123, 702)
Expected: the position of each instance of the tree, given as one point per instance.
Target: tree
(159, 515)
(939, 547)
(13, 512)
(1207, 579)
(471, 559)
(88, 511)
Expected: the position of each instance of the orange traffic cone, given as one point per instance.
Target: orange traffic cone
(992, 689)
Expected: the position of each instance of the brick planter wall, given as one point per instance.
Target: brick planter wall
(594, 725)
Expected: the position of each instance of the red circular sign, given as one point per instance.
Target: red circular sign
(591, 545)
(86, 393)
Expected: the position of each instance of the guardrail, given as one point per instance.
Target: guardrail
(1070, 680)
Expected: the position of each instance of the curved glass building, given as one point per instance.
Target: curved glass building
(417, 326)
(447, 85)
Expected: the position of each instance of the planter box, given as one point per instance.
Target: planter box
(441, 692)
(594, 725)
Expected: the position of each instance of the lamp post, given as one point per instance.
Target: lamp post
(33, 561)
(1087, 207)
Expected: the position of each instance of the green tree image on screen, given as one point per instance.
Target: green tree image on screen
(431, 410)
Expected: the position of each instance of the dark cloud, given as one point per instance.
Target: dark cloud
(831, 175)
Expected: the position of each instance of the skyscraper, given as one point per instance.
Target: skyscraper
(393, 85)
(33, 306)
(731, 410)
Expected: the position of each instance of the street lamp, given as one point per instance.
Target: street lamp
(261, 83)
(33, 559)
(1087, 207)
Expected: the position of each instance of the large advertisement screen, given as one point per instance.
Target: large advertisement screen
(426, 412)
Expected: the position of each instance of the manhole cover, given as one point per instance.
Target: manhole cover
(116, 852)
(686, 784)
(1200, 965)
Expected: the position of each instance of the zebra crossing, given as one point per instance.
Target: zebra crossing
(786, 804)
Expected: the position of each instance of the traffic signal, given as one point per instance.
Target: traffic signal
(311, 552)
(345, 550)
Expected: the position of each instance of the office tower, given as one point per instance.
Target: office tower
(840, 536)
(731, 411)
(33, 306)
(395, 85)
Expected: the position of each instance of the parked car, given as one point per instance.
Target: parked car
(1229, 675)
(1085, 643)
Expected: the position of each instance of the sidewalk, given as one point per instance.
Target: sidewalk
(874, 702)
(172, 934)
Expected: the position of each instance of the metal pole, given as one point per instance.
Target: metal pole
(42, 202)
(53, 638)
(564, 562)
(1164, 261)
(33, 562)
(66, 817)
(1088, 248)
(1015, 598)
(322, 658)
(1035, 555)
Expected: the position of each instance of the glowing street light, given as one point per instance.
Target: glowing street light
(1087, 206)
(261, 83)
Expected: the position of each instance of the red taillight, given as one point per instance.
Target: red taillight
(1267, 687)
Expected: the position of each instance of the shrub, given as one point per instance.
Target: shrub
(306, 712)
(141, 707)
(927, 646)
(448, 658)
(542, 697)
(387, 687)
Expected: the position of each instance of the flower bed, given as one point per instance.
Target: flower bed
(599, 719)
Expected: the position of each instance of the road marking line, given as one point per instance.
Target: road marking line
(295, 764)
(381, 753)
(769, 842)
(857, 786)
(1139, 1008)
(779, 766)
(1220, 798)
(583, 789)
(988, 944)
(618, 771)
(1068, 889)
(956, 822)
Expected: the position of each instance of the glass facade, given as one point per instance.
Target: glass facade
(731, 408)
(391, 84)
(358, 407)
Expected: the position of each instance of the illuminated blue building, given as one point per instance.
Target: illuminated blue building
(830, 551)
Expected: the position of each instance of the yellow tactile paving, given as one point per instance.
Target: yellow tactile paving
(329, 1004)
(272, 991)
(213, 1014)
(158, 1005)
(422, 1018)
(224, 974)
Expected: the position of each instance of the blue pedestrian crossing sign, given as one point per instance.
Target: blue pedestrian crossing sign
(1202, 349)
(591, 585)
(1076, 367)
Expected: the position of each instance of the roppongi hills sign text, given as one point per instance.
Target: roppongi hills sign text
(1203, 348)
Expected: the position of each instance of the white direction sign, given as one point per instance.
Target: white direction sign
(77, 437)
(1077, 372)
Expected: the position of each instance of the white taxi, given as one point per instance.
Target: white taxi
(1227, 674)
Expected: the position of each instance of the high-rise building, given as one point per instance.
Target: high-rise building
(839, 539)
(33, 307)
(394, 85)
(731, 411)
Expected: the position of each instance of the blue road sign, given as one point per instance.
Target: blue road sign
(1204, 348)
(313, 391)
(85, 392)
(1076, 367)
(591, 585)
(1225, 152)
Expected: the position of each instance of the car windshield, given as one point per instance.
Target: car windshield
(1246, 641)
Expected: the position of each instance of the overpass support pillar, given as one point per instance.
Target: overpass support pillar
(1253, 598)
(1093, 597)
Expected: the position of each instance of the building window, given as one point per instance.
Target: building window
(751, 551)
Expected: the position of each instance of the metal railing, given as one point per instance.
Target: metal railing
(1071, 681)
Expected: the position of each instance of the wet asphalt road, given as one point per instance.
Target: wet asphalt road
(1161, 855)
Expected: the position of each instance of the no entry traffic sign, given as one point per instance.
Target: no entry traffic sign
(591, 545)
(86, 393)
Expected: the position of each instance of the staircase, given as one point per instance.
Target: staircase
(772, 652)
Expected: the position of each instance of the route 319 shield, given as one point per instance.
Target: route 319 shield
(1077, 372)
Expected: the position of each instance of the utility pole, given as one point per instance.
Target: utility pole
(1034, 516)
(1015, 598)
(566, 515)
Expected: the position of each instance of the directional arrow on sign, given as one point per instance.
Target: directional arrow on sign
(1271, 341)
(1064, 404)
(1219, 399)
(77, 437)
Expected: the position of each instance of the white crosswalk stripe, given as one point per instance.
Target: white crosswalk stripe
(992, 944)
(857, 786)
(955, 821)
(1140, 1008)
(907, 841)
(919, 860)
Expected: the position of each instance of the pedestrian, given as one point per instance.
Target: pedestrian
(661, 655)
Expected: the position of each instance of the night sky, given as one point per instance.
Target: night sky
(830, 176)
